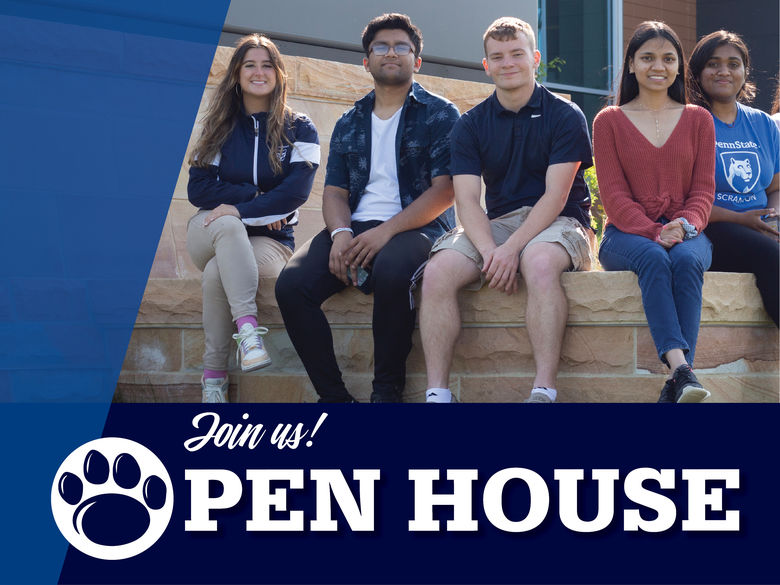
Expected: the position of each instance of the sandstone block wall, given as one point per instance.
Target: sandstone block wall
(607, 356)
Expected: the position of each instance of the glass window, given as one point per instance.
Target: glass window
(579, 33)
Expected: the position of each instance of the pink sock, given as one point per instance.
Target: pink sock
(214, 374)
(251, 319)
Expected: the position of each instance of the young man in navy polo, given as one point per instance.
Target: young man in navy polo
(388, 196)
(531, 148)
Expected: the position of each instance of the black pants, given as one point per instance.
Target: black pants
(736, 248)
(306, 282)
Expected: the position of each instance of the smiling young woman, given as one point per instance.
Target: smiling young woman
(250, 170)
(655, 159)
(257, 80)
(743, 223)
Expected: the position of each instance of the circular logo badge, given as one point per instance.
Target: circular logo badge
(112, 498)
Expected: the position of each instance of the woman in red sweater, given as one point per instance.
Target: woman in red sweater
(655, 160)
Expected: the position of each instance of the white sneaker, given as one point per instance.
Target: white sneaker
(251, 353)
(538, 398)
(214, 389)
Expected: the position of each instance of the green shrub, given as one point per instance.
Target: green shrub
(598, 216)
(554, 64)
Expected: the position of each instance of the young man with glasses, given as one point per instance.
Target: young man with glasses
(388, 196)
(530, 147)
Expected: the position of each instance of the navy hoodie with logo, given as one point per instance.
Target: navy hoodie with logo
(242, 176)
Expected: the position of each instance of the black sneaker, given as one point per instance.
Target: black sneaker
(336, 400)
(380, 397)
(386, 393)
(686, 387)
(667, 392)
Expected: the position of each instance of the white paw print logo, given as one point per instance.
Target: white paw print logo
(112, 498)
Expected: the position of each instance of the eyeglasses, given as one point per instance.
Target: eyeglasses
(382, 49)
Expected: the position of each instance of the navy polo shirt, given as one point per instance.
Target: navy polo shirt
(512, 151)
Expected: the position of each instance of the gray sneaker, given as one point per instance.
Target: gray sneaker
(214, 390)
(538, 397)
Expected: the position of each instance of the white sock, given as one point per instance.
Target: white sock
(438, 395)
(551, 393)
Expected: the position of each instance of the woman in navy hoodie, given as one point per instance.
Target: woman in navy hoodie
(251, 169)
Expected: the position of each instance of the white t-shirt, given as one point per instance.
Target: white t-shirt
(776, 119)
(381, 199)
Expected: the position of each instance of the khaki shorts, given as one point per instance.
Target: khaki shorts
(566, 231)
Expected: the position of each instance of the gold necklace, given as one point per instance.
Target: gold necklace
(655, 117)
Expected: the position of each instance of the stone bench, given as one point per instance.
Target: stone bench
(608, 354)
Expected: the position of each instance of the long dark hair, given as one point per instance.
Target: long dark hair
(703, 52)
(225, 106)
(629, 88)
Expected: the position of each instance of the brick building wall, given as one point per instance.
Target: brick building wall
(678, 14)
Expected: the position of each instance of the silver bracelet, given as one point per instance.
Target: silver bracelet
(339, 230)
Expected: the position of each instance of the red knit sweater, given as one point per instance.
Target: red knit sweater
(639, 183)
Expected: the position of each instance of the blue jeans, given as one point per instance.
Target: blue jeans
(670, 281)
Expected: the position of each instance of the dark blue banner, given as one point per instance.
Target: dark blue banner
(98, 100)
(98, 103)
(347, 494)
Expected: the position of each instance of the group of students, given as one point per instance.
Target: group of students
(675, 143)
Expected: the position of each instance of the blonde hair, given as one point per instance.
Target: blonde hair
(227, 104)
(507, 28)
